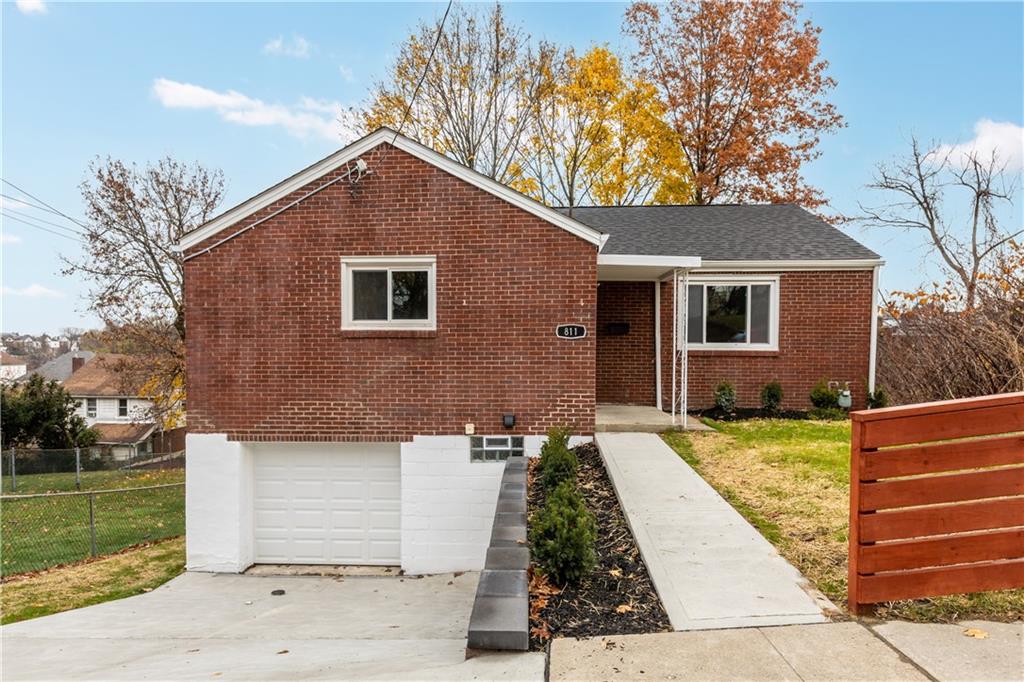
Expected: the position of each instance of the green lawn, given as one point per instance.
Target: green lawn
(92, 480)
(39, 533)
(790, 479)
(83, 584)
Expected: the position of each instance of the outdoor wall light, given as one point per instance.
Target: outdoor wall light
(508, 420)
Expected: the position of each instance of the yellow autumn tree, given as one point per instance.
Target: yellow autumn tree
(600, 138)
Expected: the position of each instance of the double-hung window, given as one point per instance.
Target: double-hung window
(733, 312)
(388, 293)
(90, 407)
(122, 407)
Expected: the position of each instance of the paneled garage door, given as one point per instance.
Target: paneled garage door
(327, 503)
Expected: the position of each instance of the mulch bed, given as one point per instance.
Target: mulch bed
(617, 598)
(742, 413)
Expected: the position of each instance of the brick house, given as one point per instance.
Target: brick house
(369, 338)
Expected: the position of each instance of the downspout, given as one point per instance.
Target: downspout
(873, 354)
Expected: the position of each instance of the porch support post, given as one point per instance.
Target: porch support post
(657, 343)
(675, 333)
(684, 287)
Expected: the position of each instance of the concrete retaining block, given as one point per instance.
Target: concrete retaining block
(501, 610)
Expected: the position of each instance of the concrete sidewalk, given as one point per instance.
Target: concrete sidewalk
(831, 651)
(710, 567)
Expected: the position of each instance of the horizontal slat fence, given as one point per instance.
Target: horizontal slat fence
(936, 499)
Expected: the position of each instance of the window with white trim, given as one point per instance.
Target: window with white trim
(388, 293)
(122, 407)
(494, 448)
(735, 312)
(90, 407)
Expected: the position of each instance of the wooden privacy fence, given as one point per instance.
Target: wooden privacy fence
(936, 499)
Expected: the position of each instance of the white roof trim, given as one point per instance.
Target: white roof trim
(655, 261)
(364, 145)
(786, 265)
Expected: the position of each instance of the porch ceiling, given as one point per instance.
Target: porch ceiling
(625, 268)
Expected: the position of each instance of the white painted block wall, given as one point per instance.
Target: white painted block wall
(218, 504)
(447, 505)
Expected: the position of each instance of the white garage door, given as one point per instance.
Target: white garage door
(321, 503)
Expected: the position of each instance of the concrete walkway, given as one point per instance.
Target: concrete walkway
(710, 567)
(830, 651)
(231, 627)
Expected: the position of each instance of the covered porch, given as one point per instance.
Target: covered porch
(613, 418)
(641, 380)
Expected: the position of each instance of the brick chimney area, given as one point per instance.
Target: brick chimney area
(77, 362)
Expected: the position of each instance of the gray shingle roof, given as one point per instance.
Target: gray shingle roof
(721, 232)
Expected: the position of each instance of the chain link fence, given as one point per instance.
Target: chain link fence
(30, 471)
(60, 506)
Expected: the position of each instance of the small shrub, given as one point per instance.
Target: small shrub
(823, 396)
(878, 398)
(829, 414)
(562, 535)
(558, 463)
(725, 397)
(771, 397)
(559, 435)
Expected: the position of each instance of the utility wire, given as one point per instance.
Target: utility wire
(25, 202)
(40, 227)
(11, 213)
(55, 210)
(419, 84)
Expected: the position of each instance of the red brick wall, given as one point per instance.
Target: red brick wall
(824, 331)
(267, 359)
(625, 364)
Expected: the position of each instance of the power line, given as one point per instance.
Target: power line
(18, 214)
(55, 210)
(25, 202)
(419, 84)
(40, 227)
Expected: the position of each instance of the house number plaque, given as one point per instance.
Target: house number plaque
(570, 331)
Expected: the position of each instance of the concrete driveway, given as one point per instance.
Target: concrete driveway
(207, 626)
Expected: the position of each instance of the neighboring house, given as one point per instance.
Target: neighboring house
(60, 368)
(11, 367)
(371, 336)
(109, 405)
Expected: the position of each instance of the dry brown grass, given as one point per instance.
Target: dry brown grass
(92, 582)
(791, 480)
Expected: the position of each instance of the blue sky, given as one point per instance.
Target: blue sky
(249, 88)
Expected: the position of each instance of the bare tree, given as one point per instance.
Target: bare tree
(921, 184)
(135, 217)
(477, 99)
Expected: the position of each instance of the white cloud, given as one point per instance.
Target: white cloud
(346, 74)
(32, 291)
(1005, 139)
(310, 117)
(6, 238)
(296, 47)
(32, 6)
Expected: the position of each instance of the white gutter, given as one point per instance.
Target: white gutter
(780, 265)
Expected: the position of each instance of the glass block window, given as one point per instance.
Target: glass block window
(494, 448)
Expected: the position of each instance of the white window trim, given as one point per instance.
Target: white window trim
(350, 264)
(92, 407)
(746, 280)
